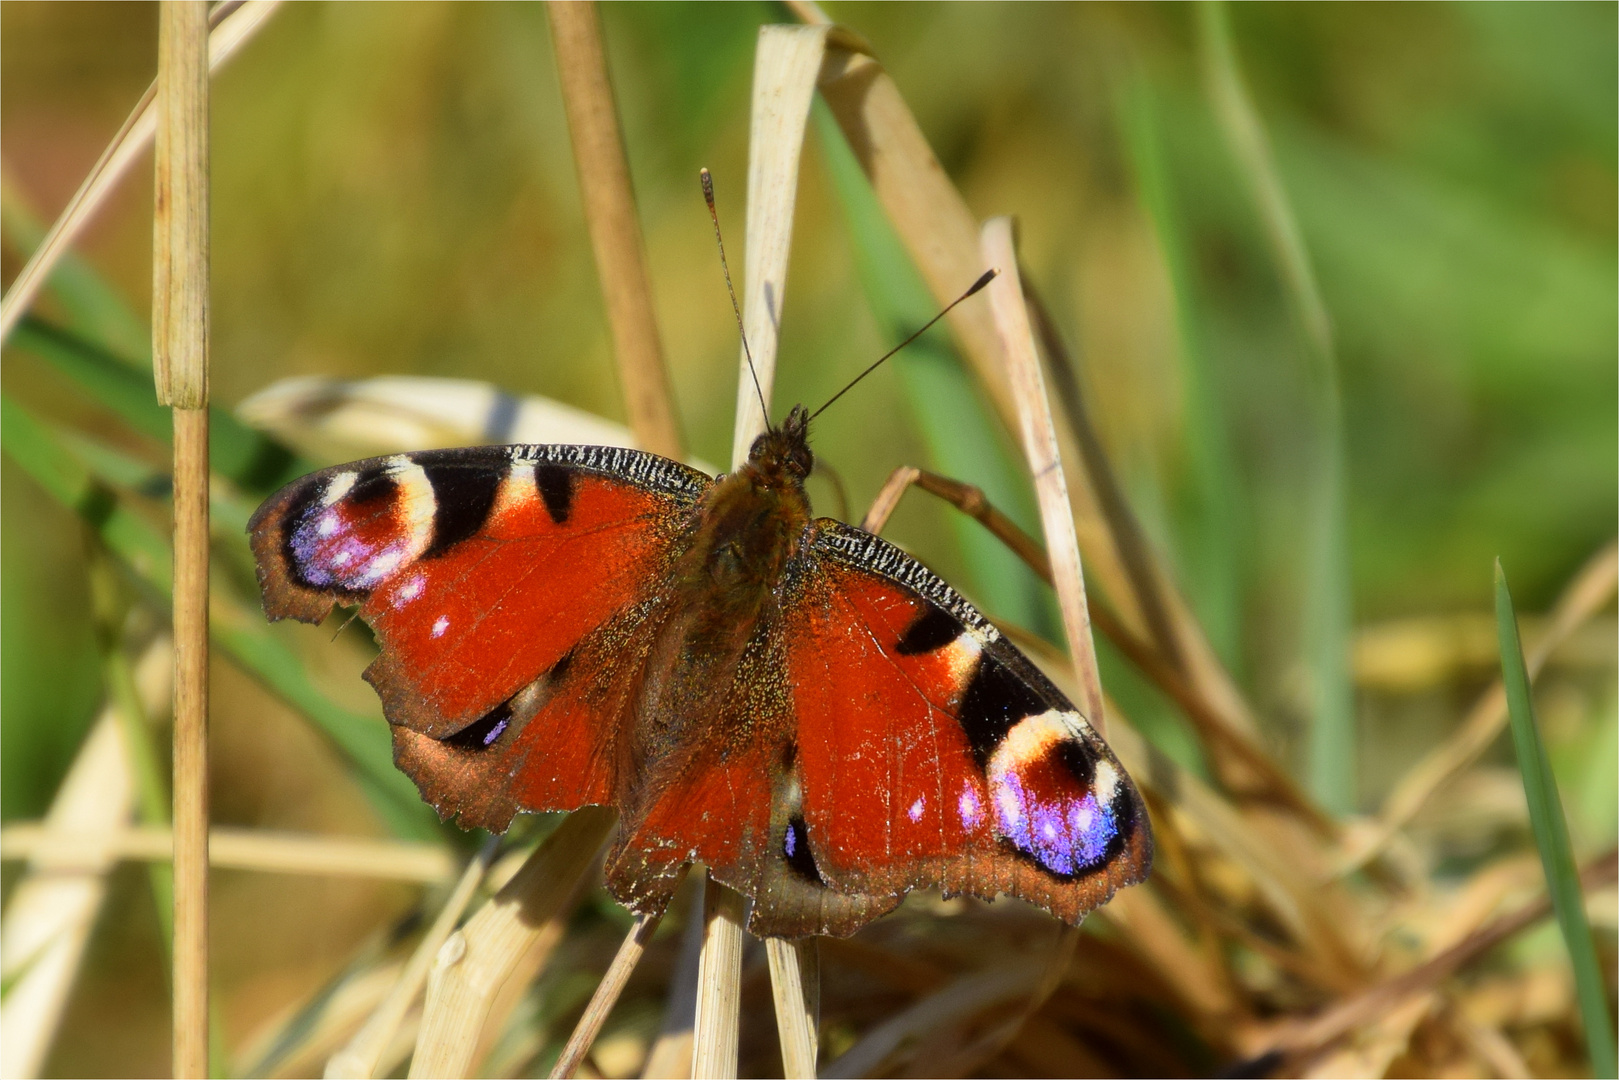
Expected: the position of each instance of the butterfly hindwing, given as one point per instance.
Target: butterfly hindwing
(487, 575)
(932, 752)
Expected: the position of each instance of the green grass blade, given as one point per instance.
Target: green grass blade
(1328, 610)
(237, 627)
(1551, 836)
(1205, 499)
(248, 458)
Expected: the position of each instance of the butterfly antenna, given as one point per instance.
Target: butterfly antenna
(708, 197)
(985, 279)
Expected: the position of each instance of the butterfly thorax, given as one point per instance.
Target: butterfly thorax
(749, 526)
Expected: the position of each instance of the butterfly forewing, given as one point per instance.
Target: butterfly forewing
(483, 572)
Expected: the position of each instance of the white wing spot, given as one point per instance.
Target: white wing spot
(441, 624)
(409, 591)
(915, 812)
(972, 812)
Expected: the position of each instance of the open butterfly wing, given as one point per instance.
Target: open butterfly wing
(484, 574)
(932, 752)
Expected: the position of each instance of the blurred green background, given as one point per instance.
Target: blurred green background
(394, 193)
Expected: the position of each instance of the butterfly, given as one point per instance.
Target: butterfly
(797, 704)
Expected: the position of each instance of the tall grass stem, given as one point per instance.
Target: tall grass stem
(180, 363)
(615, 229)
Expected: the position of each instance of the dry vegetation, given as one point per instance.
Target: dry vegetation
(1304, 916)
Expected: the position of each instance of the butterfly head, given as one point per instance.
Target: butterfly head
(785, 448)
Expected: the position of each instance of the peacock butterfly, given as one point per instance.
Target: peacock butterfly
(795, 703)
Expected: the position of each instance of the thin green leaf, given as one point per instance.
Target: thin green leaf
(1203, 502)
(248, 458)
(238, 628)
(1551, 836)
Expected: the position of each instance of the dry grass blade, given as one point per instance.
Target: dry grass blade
(970, 500)
(615, 231)
(1488, 1044)
(967, 996)
(1138, 912)
(606, 995)
(925, 208)
(1232, 743)
(1128, 536)
(237, 849)
(300, 1041)
(1590, 591)
(887, 501)
(51, 911)
(363, 1053)
(795, 981)
(180, 364)
(1045, 460)
(1365, 1007)
(234, 28)
(970, 1058)
(482, 966)
(786, 63)
(1228, 732)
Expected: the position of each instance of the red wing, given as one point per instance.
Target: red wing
(482, 572)
(932, 752)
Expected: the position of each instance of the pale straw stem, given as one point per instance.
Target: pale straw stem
(180, 363)
(479, 968)
(1045, 462)
(238, 849)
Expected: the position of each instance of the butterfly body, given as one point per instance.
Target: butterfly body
(794, 703)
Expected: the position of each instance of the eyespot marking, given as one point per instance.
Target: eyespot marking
(1056, 800)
